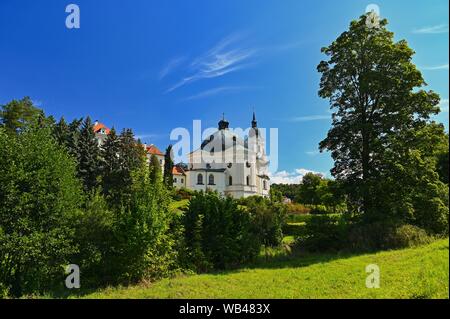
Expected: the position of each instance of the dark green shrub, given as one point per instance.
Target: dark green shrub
(376, 236)
(40, 197)
(268, 218)
(294, 229)
(409, 236)
(218, 234)
(322, 233)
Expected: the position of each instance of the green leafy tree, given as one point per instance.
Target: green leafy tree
(88, 157)
(168, 167)
(112, 173)
(18, 114)
(379, 106)
(218, 234)
(40, 196)
(155, 169)
(308, 190)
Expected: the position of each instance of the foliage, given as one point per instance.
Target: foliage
(268, 219)
(218, 234)
(88, 157)
(40, 196)
(168, 167)
(381, 132)
(297, 209)
(155, 169)
(17, 115)
(323, 233)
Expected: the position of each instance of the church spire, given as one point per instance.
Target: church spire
(223, 124)
(254, 122)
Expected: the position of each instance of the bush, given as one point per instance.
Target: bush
(322, 233)
(268, 219)
(40, 197)
(182, 193)
(375, 236)
(218, 234)
(297, 209)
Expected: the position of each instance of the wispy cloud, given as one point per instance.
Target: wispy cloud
(37, 103)
(436, 67)
(444, 105)
(148, 136)
(172, 65)
(225, 57)
(295, 177)
(436, 29)
(313, 153)
(219, 90)
(309, 118)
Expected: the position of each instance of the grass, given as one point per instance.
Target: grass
(421, 272)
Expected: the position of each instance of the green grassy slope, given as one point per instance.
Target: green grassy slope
(421, 272)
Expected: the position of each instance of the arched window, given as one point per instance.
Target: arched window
(230, 180)
(200, 179)
(211, 179)
(248, 180)
(264, 185)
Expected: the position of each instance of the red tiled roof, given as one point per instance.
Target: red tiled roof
(152, 149)
(176, 170)
(99, 126)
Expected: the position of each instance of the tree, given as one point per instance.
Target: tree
(88, 157)
(40, 196)
(112, 173)
(379, 106)
(18, 114)
(132, 158)
(168, 167)
(308, 189)
(154, 169)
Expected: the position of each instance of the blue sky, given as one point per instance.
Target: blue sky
(157, 65)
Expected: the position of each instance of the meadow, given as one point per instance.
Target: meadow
(419, 272)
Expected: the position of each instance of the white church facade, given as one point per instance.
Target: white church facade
(225, 162)
(230, 165)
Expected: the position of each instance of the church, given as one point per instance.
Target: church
(225, 162)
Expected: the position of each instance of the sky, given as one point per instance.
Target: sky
(154, 66)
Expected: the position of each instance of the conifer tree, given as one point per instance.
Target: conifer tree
(88, 157)
(112, 167)
(168, 167)
(155, 169)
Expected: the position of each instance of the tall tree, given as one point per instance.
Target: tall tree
(132, 158)
(154, 169)
(112, 168)
(375, 92)
(168, 167)
(18, 114)
(88, 157)
(40, 198)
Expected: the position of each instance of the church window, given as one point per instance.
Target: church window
(211, 179)
(248, 180)
(200, 179)
(264, 185)
(230, 180)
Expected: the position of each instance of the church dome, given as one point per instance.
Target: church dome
(224, 139)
